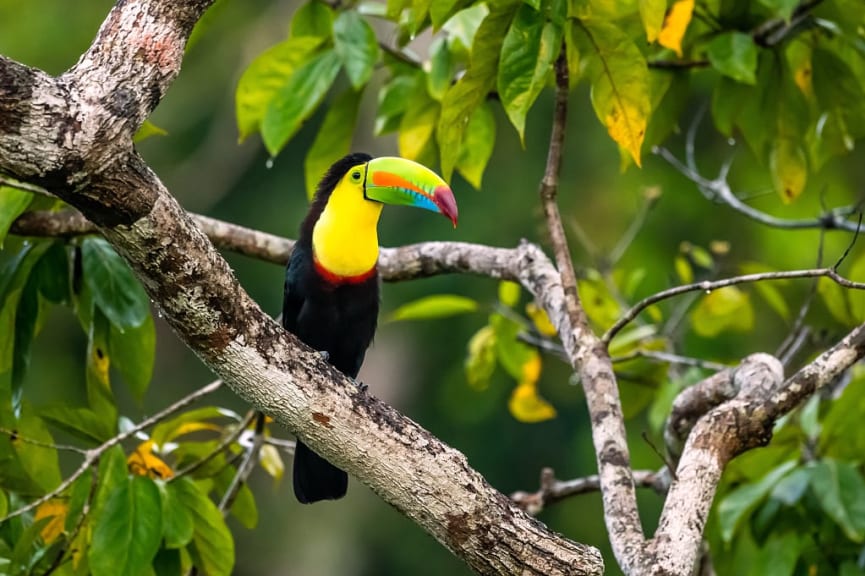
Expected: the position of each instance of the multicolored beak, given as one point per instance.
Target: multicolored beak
(403, 182)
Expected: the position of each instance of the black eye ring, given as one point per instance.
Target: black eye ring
(355, 176)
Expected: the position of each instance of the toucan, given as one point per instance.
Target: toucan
(331, 295)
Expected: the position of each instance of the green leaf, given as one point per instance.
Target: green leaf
(728, 100)
(431, 307)
(393, 99)
(243, 508)
(418, 124)
(79, 496)
(840, 490)
(355, 44)
(266, 75)
(127, 536)
(477, 147)
(601, 306)
(441, 10)
(13, 203)
(41, 464)
(51, 274)
(512, 354)
(468, 92)
(789, 167)
(25, 331)
(725, 309)
(620, 82)
(212, 547)
(529, 50)
(834, 298)
(147, 130)
(779, 554)
(133, 354)
(734, 54)
(297, 99)
(781, 8)
(742, 501)
(840, 436)
(115, 289)
(83, 423)
(441, 72)
(99, 394)
(112, 474)
(169, 429)
(790, 489)
(177, 524)
(313, 19)
(481, 358)
(652, 15)
(333, 140)
(509, 293)
(463, 26)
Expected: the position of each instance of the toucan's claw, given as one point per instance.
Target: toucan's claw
(363, 387)
(325, 355)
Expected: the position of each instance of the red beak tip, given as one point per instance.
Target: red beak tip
(447, 204)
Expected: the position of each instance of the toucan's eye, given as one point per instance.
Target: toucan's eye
(355, 176)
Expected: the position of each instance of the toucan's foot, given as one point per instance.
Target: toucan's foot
(363, 387)
(325, 355)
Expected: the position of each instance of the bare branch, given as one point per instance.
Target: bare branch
(553, 491)
(709, 286)
(590, 360)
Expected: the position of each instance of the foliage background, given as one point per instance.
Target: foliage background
(419, 366)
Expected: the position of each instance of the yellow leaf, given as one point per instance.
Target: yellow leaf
(190, 427)
(101, 363)
(55, 509)
(271, 461)
(532, 369)
(789, 169)
(144, 463)
(652, 15)
(527, 406)
(540, 319)
(675, 25)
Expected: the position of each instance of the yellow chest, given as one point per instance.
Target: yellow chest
(345, 237)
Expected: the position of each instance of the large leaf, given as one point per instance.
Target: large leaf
(115, 289)
(266, 75)
(477, 146)
(212, 547)
(620, 82)
(437, 306)
(725, 309)
(13, 202)
(417, 128)
(480, 360)
(841, 491)
(177, 524)
(675, 25)
(133, 354)
(313, 19)
(41, 464)
(393, 99)
(333, 140)
(734, 54)
(742, 501)
(297, 99)
(356, 46)
(127, 536)
(529, 50)
(25, 331)
(441, 69)
(652, 15)
(467, 94)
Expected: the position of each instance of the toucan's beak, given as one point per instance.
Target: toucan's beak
(399, 181)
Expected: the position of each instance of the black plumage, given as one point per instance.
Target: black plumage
(334, 317)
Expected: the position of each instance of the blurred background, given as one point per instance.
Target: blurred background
(418, 366)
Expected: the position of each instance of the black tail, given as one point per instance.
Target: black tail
(315, 478)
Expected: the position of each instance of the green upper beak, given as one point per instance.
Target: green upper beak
(394, 180)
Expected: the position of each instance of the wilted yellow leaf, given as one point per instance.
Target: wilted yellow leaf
(271, 461)
(144, 463)
(532, 369)
(675, 25)
(100, 362)
(789, 168)
(190, 427)
(527, 406)
(481, 359)
(540, 319)
(56, 510)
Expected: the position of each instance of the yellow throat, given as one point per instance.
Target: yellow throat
(345, 237)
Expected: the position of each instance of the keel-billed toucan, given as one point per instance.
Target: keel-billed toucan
(331, 293)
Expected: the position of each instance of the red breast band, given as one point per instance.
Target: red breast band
(337, 280)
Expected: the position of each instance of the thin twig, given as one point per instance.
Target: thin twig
(708, 286)
(246, 466)
(660, 356)
(650, 199)
(553, 491)
(94, 454)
